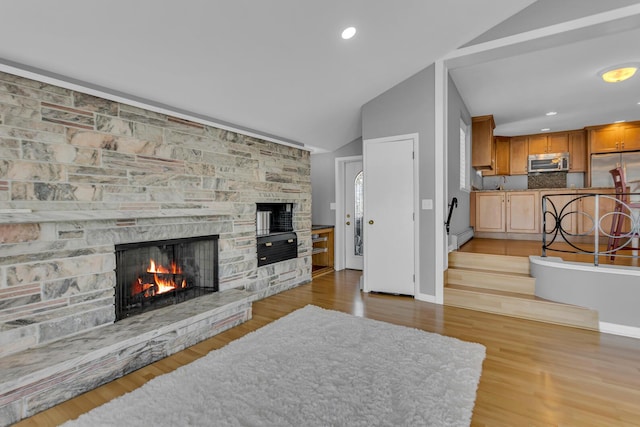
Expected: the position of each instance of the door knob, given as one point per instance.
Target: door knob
(348, 222)
(370, 221)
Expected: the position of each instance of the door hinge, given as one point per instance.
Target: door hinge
(414, 278)
(414, 216)
(413, 154)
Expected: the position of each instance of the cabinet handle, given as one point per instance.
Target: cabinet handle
(268, 244)
(290, 241)
(264, 258)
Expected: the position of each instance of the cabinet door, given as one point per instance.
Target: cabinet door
(577, 152)
(560, 206)
(588, 220)
(482, 142)
(558, 143)
(502, 155)
(604, 140)
(538, 144)
(490, 208)
(523, 212)
(518, 152)
(631, 138)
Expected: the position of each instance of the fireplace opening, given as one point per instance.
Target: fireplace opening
(155, 274)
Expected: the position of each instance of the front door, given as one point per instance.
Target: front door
(354, 211)
(389, 252)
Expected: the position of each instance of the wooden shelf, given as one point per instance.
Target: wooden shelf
(322, 252)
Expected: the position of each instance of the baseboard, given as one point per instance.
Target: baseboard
(456, 240)
(426, 298)
(623, 330)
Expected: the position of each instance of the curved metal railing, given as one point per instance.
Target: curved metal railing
(569, 227)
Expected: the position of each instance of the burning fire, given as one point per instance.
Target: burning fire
(161, 284)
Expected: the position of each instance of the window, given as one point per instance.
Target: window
(465, 149)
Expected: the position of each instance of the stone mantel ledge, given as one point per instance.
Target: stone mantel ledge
(26, 216)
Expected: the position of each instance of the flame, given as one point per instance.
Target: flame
(160, 284)
(174, 269)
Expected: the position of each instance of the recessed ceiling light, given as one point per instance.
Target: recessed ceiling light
(618, 73)
(348, 33)
(551, 113)
(545, 129)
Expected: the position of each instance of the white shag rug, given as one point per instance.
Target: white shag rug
(313, 367)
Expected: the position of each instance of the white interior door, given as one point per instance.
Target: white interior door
(354, 212)
(389, 253)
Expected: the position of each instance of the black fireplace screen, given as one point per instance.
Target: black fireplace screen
(155, 274)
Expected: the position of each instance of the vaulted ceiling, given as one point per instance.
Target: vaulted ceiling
(276, 67)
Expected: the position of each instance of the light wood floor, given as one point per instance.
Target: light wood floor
(534, 247)
(535, 374)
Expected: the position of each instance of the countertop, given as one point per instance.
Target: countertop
(568, 190)
(320, 227)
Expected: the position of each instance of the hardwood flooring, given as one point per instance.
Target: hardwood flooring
(534, 247)
(535, 374)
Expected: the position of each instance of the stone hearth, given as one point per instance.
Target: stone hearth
(36, 379)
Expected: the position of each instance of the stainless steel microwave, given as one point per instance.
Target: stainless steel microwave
(553, 162)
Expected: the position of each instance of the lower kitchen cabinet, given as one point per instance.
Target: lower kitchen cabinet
(490, 211)
(507, 211)
(523, 211)
(586, 223)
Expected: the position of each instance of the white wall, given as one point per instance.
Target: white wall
(323, 181)
(406, 108)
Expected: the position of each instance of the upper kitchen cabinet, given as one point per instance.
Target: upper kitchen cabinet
(614, 137)
(482, 144)
(549, 143)
(519, 151)
(577, 151)
(537, 144)
(502, 154)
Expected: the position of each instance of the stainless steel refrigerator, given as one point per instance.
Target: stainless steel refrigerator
(601, 164)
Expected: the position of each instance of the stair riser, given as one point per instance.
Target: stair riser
(542, 311)
(503, 263)
(484, 280)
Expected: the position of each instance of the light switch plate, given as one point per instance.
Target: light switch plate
(427, 204)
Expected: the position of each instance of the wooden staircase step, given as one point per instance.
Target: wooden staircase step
(502, 281)
(490, 262)
(520, 305)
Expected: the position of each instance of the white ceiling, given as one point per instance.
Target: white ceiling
(519, 89)
(277, 67)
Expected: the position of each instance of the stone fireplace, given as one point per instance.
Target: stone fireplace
(79, 177)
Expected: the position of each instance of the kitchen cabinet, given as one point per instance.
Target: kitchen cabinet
(518, 154)
(502, 162)
(586, 221)
(501, 159)
(537, 144)
(577, 151)
(490, 211)
(549, 143)
(322, 252)
(614, 137)
(507, 211)
(559, 204)
(558, 142)
(523, 212)
(482, 144)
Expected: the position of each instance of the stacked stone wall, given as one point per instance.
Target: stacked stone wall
(79, 174)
